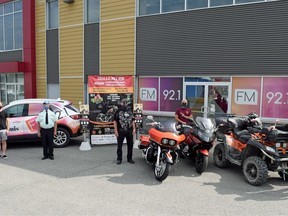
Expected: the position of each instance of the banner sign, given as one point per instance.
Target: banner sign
(246, 95)
(110, 84)
(160, 94)
(275, 97)
(105, 95)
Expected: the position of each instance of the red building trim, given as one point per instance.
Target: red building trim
(4, 1)
(11, 67)
(28, 66)
(29, 52)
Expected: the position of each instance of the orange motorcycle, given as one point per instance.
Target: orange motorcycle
(160, 147)
(200, 135)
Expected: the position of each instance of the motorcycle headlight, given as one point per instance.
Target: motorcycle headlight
(278, 145)
(172, 142)
(268, 148)
(165, 141)
(284, 145)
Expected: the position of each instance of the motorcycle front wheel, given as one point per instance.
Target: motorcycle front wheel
(161, 172)
(201, 162)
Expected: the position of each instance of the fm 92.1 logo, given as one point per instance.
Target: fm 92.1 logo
(171, 94)
(277, 98)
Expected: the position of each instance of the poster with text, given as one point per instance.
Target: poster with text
(275, 97)
(246, 95)
(105, 95)
(148, 94)
(170, 93)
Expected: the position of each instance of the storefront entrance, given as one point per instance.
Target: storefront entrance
(208, 99)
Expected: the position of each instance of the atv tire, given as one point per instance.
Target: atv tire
(255, 170)
(219, 156)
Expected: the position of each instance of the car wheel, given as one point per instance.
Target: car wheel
(62, 138)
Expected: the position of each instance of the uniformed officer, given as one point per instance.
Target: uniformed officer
(47, 129)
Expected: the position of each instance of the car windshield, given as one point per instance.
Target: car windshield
(71, 107)
(55, 108)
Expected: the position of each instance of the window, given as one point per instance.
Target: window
(214, 3)
(16, 111)
(11, 26)
(35, 109)
(192, 4)
(246, 1)
(18, 31)
(149, 7)
(173, 5)
(52, 11)
(11, 87)
(92, 11)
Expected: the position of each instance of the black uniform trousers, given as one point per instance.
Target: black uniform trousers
(47, 136)
(129, 138)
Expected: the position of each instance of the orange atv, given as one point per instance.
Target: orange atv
(252, 147)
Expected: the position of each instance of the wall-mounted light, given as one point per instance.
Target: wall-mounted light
(68, 1)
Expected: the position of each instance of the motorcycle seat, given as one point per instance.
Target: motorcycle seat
(244, 138)
(242, 135)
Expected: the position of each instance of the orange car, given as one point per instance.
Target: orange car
(23, 126)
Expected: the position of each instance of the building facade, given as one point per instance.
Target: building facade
(17, 50)
(194, 49)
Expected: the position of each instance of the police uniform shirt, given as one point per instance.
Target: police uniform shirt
(51, 119)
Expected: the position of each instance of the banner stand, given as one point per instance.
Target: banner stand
(138, 116)
(84, 122)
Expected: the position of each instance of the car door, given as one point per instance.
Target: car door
(30, 127)
(16, 115)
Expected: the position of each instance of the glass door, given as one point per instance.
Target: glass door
(195, 95)
(208, 99)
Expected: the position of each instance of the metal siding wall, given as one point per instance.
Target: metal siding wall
(11, 56)
(91, 50)
(52, 47)
(40, 49)
(113, 9)
(117, 47)
(236, 40)
(71, 54)
(70, 14)
(117, 37)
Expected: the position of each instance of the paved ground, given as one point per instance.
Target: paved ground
(90, 183)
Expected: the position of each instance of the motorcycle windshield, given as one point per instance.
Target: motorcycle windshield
(167, 125)
(206, 129)
(204, 124)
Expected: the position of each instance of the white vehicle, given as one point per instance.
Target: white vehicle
(23, 126)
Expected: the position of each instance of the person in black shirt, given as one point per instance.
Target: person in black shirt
(124, 126)
(4, 127)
